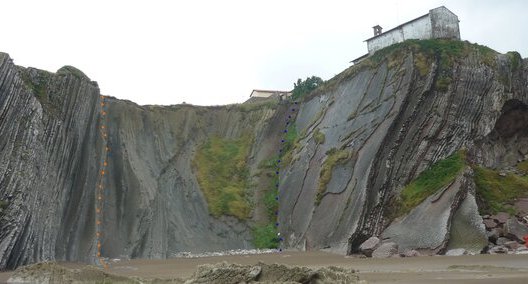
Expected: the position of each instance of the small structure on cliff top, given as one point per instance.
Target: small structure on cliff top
(270, 94)
(438, 23)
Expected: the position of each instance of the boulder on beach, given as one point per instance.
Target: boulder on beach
(368, 246)
(386, 250)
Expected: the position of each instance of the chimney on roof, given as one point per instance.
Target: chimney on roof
(377, 30)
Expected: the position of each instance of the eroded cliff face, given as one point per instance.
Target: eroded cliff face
(371, 130)
(51, 156)
(393, 117)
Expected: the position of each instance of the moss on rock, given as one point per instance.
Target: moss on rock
(223, 175)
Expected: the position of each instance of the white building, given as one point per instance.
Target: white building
(438, 23)
(269, 93)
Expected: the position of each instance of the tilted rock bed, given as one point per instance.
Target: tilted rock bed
(505, 235)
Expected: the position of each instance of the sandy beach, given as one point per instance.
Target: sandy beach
(425, 269)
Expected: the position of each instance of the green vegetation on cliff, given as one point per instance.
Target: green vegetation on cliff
(429, 181)
(221, 170)
(265, 236)
(499, 191)
(335, 157)
(38, 83)
(291, 141)
(523, 167)
(447, 52)
(302, 88)
(319, 136)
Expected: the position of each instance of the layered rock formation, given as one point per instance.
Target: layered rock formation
(51, 154)
(395, 116)
(362, 137)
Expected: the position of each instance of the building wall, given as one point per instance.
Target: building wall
(444, 23)
(419, 29)
(266, 94)
(259, 94)
(439, 23)
(384, 40)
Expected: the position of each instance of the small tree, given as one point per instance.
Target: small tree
(302, 88)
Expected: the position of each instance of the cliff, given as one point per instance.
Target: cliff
(355, 146)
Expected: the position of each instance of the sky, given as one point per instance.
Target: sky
(215, 52)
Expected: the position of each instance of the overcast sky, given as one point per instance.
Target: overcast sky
(216, 51)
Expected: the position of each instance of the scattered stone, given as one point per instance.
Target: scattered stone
(501, 241)
(411, 253)
(513, 245)
(494, 234)
(515, 230)
(386, 250)
(498, 250)
(521, 248)
(501, 217)
(456, 252)
(368, 246)
(521, 206)
(185, 254)
(490, 224)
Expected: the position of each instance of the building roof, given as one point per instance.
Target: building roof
(395, 28)
(409, 22)
(269, 91)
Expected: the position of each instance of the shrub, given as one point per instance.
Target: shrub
(302, 88)
(223, 176)
(319, 136)
(335, 157)
(265, 236)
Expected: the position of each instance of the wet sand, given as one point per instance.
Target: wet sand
(426, 269)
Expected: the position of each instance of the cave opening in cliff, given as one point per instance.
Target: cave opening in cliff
(513, 120)
(507, 143)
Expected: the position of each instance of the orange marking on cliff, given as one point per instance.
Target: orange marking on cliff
(100, 205)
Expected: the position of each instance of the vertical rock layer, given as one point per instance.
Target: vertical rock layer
(50, 157)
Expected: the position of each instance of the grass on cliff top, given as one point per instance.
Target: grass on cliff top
(448, 51)
(498, 192)
(429, 182)
(223, 175)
